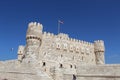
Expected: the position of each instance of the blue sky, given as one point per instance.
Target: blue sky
(87, 20)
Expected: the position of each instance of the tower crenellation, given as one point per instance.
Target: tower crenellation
(42, 43)
(99, 50)
(33, 40)
(47, 56)
(34, 29)
(99, 46)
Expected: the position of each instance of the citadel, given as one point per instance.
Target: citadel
(47, 56)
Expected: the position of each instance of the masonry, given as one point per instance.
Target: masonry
(47, 56)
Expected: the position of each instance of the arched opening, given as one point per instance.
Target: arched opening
(82, 52)
(61, 66)
(33, 37)
(44, 64)
(74, 77)
(70, 66)
(30, 37)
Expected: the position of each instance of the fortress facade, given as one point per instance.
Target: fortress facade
(58, 57)
(48, 49)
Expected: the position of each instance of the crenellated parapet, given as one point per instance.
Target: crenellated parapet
(33, 41)
(99, 46)
(61, 43)
(48, 35)
(34, 31)
(99, 50)
(63, 36)
(65, 43)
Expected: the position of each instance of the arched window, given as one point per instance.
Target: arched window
(65, 47)
(44, 63)
(61, 66)
(58, 46)
(71, 48)
(77, 49)
(70, 66)
(74, 77)
(82, 52)
(30, 37)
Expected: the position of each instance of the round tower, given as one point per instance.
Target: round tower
(33, 39)
(99, 50)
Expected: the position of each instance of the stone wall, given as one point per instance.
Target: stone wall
(61, 48)
(13, 70)
(102, 72)
(66, 51)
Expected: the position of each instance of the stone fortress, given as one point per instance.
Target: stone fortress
(48, 49)
(58, 57)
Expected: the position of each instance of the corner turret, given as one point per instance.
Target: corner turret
(34, 30)
(20, 53)
(99, 50)
(33, 38)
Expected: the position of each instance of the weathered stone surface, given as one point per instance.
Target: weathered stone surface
(58, 57)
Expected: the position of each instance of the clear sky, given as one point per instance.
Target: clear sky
(87, 20)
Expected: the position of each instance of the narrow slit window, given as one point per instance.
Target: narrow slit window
(70, 66)
(44, 63)
(61, 66)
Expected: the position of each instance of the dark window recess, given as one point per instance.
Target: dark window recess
(44, 63)
(30, 37)
(82, 52)
(74, 77)
(70, 66)
(23, 56)
(61, 66)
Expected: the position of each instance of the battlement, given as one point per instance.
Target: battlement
(35, 25)
(66, 37)
(34, 30)
(44, 44)
(48, 34)
(63, 36)
(99, 45)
